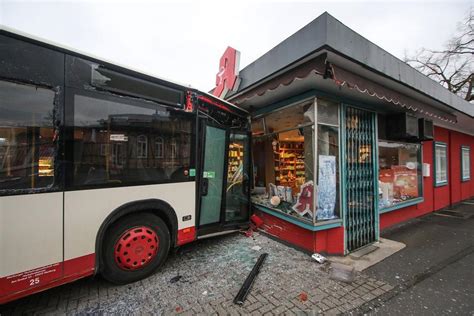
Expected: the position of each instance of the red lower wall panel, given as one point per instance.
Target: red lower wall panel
(428, 189)
(455, 142)
(288, 232)
(456, 190)
(330, 241)
(471, 183)
(335, 240)
(402, 215)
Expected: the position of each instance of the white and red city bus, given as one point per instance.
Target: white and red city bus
(104, 169)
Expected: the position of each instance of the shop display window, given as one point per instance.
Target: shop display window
(465, 163)
(286, 173)
(399, 173)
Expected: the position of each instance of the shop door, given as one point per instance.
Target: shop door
(224, 184)
(359, 176)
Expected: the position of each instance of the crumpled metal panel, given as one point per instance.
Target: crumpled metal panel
(85, 74)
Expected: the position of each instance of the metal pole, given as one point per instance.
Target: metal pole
(245, 289)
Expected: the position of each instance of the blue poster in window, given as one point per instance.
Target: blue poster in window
(326, 187)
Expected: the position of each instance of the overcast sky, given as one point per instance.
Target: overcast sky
(183, 41)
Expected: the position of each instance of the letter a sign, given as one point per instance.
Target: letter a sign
(227, 77)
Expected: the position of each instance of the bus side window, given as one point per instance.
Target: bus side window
(119, 141)
(27, 137)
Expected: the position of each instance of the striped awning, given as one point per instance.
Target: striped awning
(344, 78)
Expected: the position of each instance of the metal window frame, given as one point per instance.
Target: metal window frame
(316, 156)
(435, 180)
(463, 149)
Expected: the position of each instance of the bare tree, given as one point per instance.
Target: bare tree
(453, 66)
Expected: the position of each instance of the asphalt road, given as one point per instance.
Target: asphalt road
(434, 274)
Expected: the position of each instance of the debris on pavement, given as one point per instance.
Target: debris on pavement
(245, 289)
(342, 272)
(176, 278)
(303, 297)
(257, 221)
(256, 248)
(319, 258)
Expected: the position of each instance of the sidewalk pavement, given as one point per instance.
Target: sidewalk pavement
(433, 274)
(204, 277)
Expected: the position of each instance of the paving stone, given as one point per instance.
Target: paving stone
(254, 306)
(279, 310)
(266, 308)
(378, 292)
(386, 287)
(212, 273)
(322, 306)
(368, 297)
(333, 311)
(369, 286)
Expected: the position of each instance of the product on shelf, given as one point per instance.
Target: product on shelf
(289, 164)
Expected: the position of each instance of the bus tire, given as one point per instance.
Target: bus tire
(134, 247)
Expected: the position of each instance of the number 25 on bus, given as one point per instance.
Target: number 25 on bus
(104, 169)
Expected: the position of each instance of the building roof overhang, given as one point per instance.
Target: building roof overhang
(350, 51)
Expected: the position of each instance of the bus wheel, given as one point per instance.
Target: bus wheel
(134, 247)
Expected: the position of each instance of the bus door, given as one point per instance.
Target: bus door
(224, 179)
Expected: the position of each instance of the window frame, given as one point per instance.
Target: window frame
(445, 146)
(159, 142)
(465, 148)
(173, 149)
(140, 143)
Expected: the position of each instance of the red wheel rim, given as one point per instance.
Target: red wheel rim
(136, 248)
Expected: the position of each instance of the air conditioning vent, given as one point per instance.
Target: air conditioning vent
(426, 130)
(402, 127)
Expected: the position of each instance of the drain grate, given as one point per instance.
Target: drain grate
(451, 213)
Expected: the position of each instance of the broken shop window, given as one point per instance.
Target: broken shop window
(288, 178)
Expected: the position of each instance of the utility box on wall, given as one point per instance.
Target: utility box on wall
(426, 169)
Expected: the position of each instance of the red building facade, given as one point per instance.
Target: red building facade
(348, 140)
